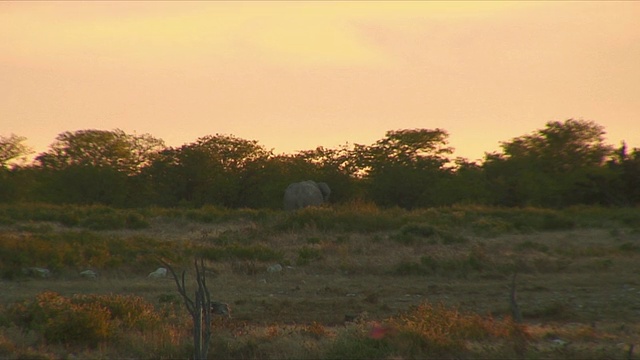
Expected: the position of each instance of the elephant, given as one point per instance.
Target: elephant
(306, 193)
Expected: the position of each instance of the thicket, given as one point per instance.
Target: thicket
(564, 164)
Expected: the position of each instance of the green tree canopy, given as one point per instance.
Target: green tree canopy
(405, 167)
(114, 149)
(11, 148)
(208, 171)
(561, 146)
(554, 166)
(414, 148)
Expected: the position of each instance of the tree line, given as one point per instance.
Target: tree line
(563, 164)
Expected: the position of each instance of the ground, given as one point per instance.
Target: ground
(576, 287)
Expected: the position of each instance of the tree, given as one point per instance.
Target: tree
(199, 307)
(337, 167)
(544, 168)
(15, 181)
(620, 183)
(404, 168)
(101, 148)
(562, 146)
(79, 184)
(95, 166)
(11, 148)
(212, 170)
(466, 183)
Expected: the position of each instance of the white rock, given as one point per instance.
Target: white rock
(559, 342)
(89, 274)
(274, 268)
(37, 272)
(159, 273)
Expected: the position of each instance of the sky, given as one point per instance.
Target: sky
(298, 75)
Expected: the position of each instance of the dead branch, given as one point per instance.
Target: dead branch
(199, 308)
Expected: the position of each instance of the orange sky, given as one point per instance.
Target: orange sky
(296, 75)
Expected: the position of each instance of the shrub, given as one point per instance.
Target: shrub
(130, 312)
(308, 254)
(59, 320)
(427, 331)
(72, 249)
(83, 319)
(440, 331)
(355, 343)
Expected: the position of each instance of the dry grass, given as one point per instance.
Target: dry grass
(577, 289)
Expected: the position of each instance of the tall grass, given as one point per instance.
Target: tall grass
(429, 331)
(73, 250)
(367, 218)
(83, 319)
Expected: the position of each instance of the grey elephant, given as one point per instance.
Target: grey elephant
(306, 193)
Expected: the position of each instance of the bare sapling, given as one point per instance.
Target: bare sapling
(199, 308)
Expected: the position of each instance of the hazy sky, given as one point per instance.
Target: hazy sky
(296, 75)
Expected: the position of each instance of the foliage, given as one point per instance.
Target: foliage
(83, 319)
(551, 166)
(211, 170)
(12, 148)
(403, 168)
(96, 217)
(114, 149)
(566, 163)
(308, 254)
(72, 250)
(427, 331)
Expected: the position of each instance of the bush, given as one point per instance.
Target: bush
(83, 319)
(440, 331)
(59, 320)
(72, 249)
(428, 331)
(130, 312)
(308, 254)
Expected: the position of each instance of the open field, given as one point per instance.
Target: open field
(435, 282)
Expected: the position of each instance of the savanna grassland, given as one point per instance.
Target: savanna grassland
(354, 282)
